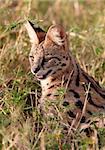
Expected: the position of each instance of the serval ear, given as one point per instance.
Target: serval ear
(37, 35)
(56, 35)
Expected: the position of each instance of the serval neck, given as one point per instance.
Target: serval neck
(51, 84)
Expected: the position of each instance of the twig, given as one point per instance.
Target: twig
(84, 107)
(68, 80)
(39, 136)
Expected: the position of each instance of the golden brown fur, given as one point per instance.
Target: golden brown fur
(53, 64)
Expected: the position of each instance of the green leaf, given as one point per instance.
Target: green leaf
(98, 51)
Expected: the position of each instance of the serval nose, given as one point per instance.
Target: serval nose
(34, 70)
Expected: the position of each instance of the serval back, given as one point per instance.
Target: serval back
(54, 66)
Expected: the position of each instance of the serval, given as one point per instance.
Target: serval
(55, 67)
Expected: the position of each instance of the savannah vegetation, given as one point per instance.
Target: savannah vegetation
(20, 118)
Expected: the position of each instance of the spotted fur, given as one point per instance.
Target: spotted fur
(54, 66)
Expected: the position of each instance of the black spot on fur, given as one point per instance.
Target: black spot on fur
(56, 95)
(63, 64)
(89, 112)
(59, 69)
(71, 114)
(76, 95)
(65, 103)
(79, 104)
(53, 79)
(88, 131)
(51, 86)
(88, 121)
(65, 128)
(83, 119)
(49, 94)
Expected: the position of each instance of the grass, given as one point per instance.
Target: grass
(19, 91)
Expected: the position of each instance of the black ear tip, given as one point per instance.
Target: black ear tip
(31, 23)
(37, 29)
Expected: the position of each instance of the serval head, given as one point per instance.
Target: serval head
(49, 52)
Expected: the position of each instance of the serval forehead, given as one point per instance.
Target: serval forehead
(36, 49)
(54, 50)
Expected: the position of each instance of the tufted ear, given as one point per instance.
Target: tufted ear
(37, 35)
(56, 35)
